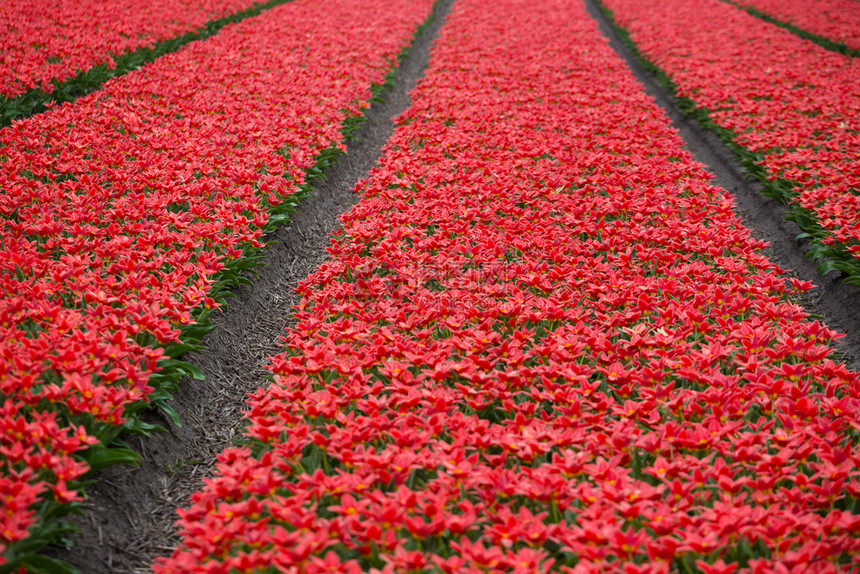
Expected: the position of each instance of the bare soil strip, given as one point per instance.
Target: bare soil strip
(836, 303)
(129, 514)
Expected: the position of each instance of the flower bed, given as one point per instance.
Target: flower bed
(543, 341)
(835, 20)
(126, 214)
(46, 40)
(791, 107)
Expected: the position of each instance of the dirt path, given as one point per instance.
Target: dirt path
(835, 302)
(129, 515)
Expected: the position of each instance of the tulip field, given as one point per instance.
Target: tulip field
(52, 40)
(543, 340)
(836, 21)
(125, 213)
(791, 107)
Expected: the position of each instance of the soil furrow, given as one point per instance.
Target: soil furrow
(129, 514)
(833, 301)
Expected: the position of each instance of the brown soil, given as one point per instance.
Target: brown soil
(128, 517)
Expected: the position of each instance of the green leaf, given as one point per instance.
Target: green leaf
(826, 267)
(99, 458)
(193, 372)
(165, 407)
(45, 565)
(137, 426)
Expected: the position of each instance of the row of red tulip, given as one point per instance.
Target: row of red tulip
(543, 342)
(792, 107)
(122, 212)
(835, 20)
(46, 40)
